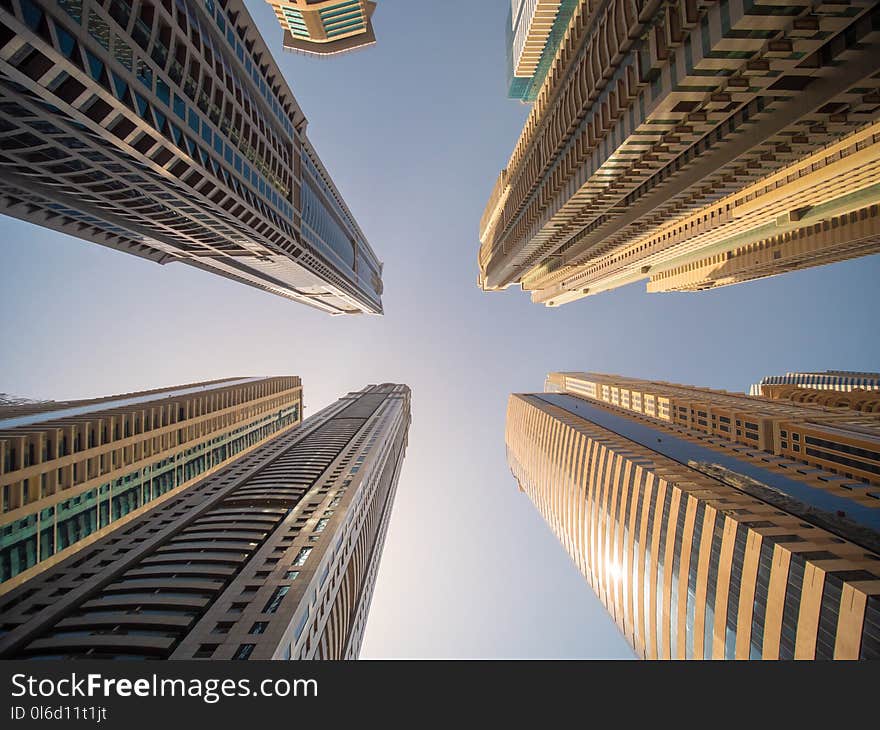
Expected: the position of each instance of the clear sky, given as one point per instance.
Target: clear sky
(414, 132)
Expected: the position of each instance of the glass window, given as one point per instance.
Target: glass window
(144, 73)
(163, 92)
(275, 601)
(244, 651)
(179, 107)
(302, 556)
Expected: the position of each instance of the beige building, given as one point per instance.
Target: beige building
(711, 525)
(325, 27)
(838, 380)
(71, 472)
(694, 145)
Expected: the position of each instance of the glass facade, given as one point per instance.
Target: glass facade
(190, 148)
(330, 228)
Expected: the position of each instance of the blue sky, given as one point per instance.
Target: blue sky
(414, 132)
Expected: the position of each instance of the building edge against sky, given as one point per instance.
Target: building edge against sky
(73, 472)
(325, 27)
(836, 380)
(166, 130)
(273, 556)
(691, 515)
(692, 144)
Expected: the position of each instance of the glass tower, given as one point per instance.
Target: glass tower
(165, 129)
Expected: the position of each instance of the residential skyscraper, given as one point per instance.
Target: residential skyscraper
(711, 525)
(272, 557)
(693, 144)
(325, 27)
(837, 380)
(534, 30)
(165, 129)
(72, 472)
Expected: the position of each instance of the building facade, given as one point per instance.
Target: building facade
(711, 525)
(73, 472)
(273, 557)
(837, 380)
(165, 129)
(325, 27)
(694, 145)
(534, 30)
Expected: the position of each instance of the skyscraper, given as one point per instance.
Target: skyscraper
(710, 524)
(72, 472)
(837, 380)
(325, 27)
(166, 130)
(272, 557)
(694, 145)
(534, 30)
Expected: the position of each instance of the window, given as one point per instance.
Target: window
(275, 600)
(302, 556)
(163, 92)
(144, 73)
(179, 107)
(244, 651)
(301, 624)
(259, 627)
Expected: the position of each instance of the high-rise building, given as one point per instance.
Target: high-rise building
(534, 30)
(693, 144)
(325, 27)
(165, 129)
(710, 524)
(836, 380)
(72, 472)
(272, 557)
